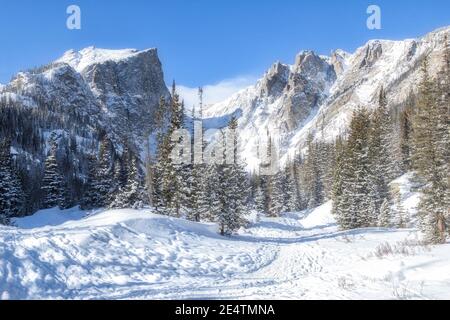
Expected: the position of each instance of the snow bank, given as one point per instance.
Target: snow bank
(50, 217)
(320, 216)
(114, 254)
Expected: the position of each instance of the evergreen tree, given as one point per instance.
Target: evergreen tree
(405, 139)
(339, 182)
(385, 220)
(197, 195)
(53, 185)
(290, 190)
(211, 206)
(313, 174)
(133, 194)
(260, 198)
(352, 184)
(429, 158)
(12, 200)
(169, 190)
(101, 185)
(276, 201)
(234, 188)
(91, 196)
(380, 157)
(443, 134)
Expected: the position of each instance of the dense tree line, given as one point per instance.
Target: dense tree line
(198, 191)
(369, 159)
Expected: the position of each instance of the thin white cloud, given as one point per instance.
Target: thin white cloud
(216, 92)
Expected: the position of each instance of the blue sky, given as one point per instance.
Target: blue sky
(203, 42)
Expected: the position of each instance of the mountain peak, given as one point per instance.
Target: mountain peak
(80, 60)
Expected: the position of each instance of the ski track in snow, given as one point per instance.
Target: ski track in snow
(127, 254)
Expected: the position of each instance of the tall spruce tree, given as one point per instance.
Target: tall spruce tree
(169, 193)
(91, 196)
(380, 157)
(211, 205)
(276, 201)
(352, 184)
(443, 133)
(133, 193)
(313, 174)
(260, 196)
(12, 199)
(290, 190)
(101, 178)
(339, 182)
(234, 190)
(53, 184)
(429, 159)
(405, 139)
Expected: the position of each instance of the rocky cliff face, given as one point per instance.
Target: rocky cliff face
(127, 84)
(280, 103)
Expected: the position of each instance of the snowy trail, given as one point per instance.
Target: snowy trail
(129, 254)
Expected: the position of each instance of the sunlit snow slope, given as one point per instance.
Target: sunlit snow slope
(127, 254)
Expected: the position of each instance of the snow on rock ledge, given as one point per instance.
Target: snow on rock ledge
(80, 60)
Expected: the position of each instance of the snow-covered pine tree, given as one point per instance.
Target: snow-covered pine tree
(276, 201)
(169, 194)
(190, 197)
(352, 182)
(340, 182)
(443, 132)
(234, 188)
(133, 194)
(53, 184)
(429, 159)
(301, 190)
(156, 164)
(313, 175)
(198, 193)
(290, 190)
(101, 183)
(405, 139)
(203, 195)
(91, 195)
(161, 181)
(149, 179)
(327, 162)
(210, 204)
(12, 200)
(380, 156)
(401, 216)
(260, 198)
(197, 196)
(385, 220)
(120, 174)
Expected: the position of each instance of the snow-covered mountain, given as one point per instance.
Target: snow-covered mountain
(127, 85)
(116, 90)
(87, 92)
(317, 95)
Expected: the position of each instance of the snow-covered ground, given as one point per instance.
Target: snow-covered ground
(128, 254)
